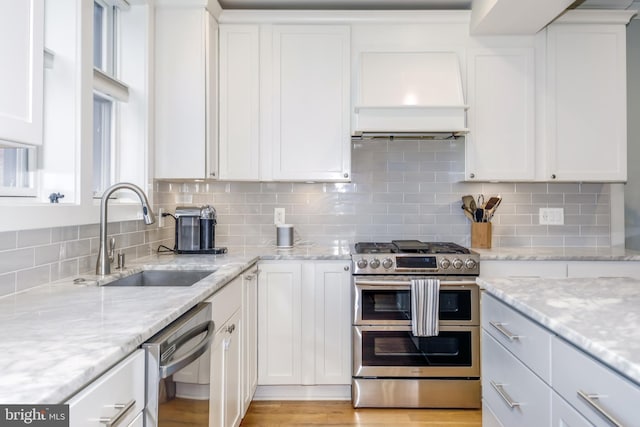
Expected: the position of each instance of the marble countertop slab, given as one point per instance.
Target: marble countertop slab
(57, 338)
(558, 254)
(600, 316)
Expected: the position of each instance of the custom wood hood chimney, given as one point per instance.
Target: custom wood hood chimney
(409, 94)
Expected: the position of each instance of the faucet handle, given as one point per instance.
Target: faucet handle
(112, 248)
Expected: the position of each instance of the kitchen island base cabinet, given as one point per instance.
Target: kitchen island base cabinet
(577, 391)
(304, 328)
(118, 395)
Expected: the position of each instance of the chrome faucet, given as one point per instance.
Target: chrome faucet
(103, 265)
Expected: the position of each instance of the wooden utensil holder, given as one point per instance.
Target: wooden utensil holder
(481, 235)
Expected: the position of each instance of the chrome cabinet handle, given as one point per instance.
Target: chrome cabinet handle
(346, 268)
(123, 409)
(504, 395)
(249, 277)
(504, 331)
(590, 399)
(231, 328)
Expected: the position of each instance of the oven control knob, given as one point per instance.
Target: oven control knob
(457, 263)
(445, 263)
(362, 263)
(470, 264)
(387, 263)
(375, 263)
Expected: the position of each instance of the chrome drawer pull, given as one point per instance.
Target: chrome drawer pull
(591, 401)
(503, 394)
(504, 331)
(123, 409)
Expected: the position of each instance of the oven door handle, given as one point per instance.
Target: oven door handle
(191, 356)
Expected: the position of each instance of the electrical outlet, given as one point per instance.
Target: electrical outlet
(551, 216)
(278, 216)
(160, 217)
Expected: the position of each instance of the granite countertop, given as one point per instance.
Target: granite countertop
(59, 337)
(558, 254)
(600, 316)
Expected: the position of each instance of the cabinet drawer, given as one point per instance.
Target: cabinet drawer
(574, 372)
(564, 415)
(122, 385)
(530, 397)
(528, 341)
(226, 301)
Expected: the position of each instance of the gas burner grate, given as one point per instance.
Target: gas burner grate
(375, 248)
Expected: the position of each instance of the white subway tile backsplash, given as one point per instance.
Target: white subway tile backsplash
(31, 277)
(14, 260)
(8, 240)
(37, 237)
(7, 284)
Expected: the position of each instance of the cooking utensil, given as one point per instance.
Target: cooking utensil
(481, 201)
(469, 205)
(468, 213)
(479, 214)
(491, 206)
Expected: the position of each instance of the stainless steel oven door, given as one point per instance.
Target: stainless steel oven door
(394, 352)
(387, 301)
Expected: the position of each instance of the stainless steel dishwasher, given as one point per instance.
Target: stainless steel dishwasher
(171, 350)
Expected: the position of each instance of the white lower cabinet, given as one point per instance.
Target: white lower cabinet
(250, 336)
(519, 390)
(117, 396)
(304, 323)
(564, 415)
(517, 396)
(225, 403)
(601, 395)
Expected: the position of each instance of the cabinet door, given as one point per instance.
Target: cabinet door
(586, 102)
(501, 117)
(22, 71)
(250, 337)
(233, 371)
(564, 415)
(332, 335)
(217, 383)
(181, 54)
(239, 148)
(310, 103)
(279, 323)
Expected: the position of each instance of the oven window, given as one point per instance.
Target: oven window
(386, 305)
(396, 304)
(401, 348)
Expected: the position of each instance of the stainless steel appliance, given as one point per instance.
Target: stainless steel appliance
(391, 366)
(195, 230)
(167, 353)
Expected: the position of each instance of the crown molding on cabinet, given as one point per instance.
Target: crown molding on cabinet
(343, 16)
(595, 16)
(213, 6)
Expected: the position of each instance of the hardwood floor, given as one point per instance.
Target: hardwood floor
(341, 413)
(192, 413)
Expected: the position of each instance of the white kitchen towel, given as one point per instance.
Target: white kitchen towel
(425, 305)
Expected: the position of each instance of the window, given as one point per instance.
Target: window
(15, 177)
(108, 91)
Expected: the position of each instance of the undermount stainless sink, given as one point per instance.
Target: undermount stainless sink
(162, 278)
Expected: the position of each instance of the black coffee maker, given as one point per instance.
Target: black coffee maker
(196, 230)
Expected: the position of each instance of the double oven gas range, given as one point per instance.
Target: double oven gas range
(391, 366)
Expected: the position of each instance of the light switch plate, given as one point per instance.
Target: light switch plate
(551, 216)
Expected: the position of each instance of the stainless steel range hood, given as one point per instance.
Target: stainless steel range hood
(409, 95)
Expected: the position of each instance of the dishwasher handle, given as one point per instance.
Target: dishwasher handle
(184, 360)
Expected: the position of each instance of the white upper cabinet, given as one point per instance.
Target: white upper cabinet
(186, 76)
(284, 102)
(239, 102)
(310, 103)
(501, 115)
(22, 71)
(586, 119)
